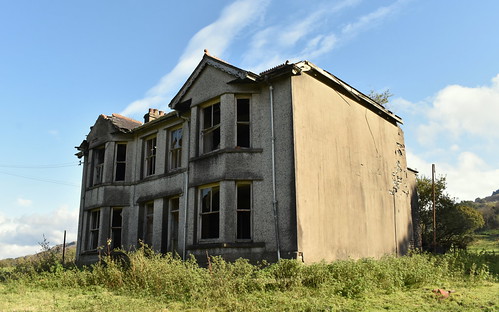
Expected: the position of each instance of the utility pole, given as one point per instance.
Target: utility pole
(434, 209)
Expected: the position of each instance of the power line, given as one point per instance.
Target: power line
(41, 179)
(62, 165)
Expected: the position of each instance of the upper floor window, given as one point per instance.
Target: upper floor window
(98, 161)
(120, 169)
(93, 229)
(150, 156)
(210, 211)
(175, 148)
(210, 128)
(243, 122)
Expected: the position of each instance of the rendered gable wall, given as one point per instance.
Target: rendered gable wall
(352, 185)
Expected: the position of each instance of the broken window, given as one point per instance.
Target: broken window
(116, 226)
(150, 156)
(243, 210)
(210, 133)
(98, 160)
(210, 212)
(243, 122)
(174, 205)
(120, 162)
(176, 148)
(148, 223)
(93, 229)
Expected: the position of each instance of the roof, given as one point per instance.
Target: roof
(286, 69)
(122, 123)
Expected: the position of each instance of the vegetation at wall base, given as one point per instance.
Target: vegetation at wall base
(154, 282)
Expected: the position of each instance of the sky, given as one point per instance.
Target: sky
(63, 63)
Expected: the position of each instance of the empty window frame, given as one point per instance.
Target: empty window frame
(93, 229)
(175, 149)
(98, 161)
(209, 202)
(210, 128)
(116, 226)
(148, 223)
(174, 207)
(120, 169)
(243, 210)
(243, 122)
(150, 156)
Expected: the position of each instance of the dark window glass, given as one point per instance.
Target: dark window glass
(243, 123)
(244, 211)
(120, 162)
(210, 216)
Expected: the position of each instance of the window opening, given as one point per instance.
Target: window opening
(116, 226)
(243, 122)
(174, 205)
(150, 156)
(148, 223)
(243, 211)
(98, 156)
(210, 212)
(93, 229)
(210, 133)
(120, 162)
(176, 148)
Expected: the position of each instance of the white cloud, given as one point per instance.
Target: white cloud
(24, 202)
(20, 236)
(459, 110)
(215, 37)
(470, 178)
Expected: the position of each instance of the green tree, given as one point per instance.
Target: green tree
(381, 98)
(455, 222)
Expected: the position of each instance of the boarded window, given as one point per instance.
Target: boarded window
(210, 131)
(120, 162)
(176, 148)
(243, 210)
(243, 122)
(116, 226)
(150, 156)
(210, 212)
(93, 229)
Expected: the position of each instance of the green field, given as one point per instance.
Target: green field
(151, 282)
(486, 241)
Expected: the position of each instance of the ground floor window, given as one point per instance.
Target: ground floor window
(243, 210)
(173, 206)
(209, 207)
(116, 226)
(93, 229)
(148, 223)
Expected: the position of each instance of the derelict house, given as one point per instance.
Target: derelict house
(290, 163)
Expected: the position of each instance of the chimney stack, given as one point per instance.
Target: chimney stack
(153, 114)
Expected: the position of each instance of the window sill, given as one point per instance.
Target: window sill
(227, 150)
(227, 245)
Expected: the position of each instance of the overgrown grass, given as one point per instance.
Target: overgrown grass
(167, 282)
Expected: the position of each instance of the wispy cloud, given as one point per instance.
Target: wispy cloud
(24, 202)
(216, 37)
(307, 35)
(371, 19)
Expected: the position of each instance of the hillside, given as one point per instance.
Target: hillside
(489, 207)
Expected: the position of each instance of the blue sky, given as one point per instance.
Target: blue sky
(62, 63)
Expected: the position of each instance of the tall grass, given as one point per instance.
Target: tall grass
(168, 278)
